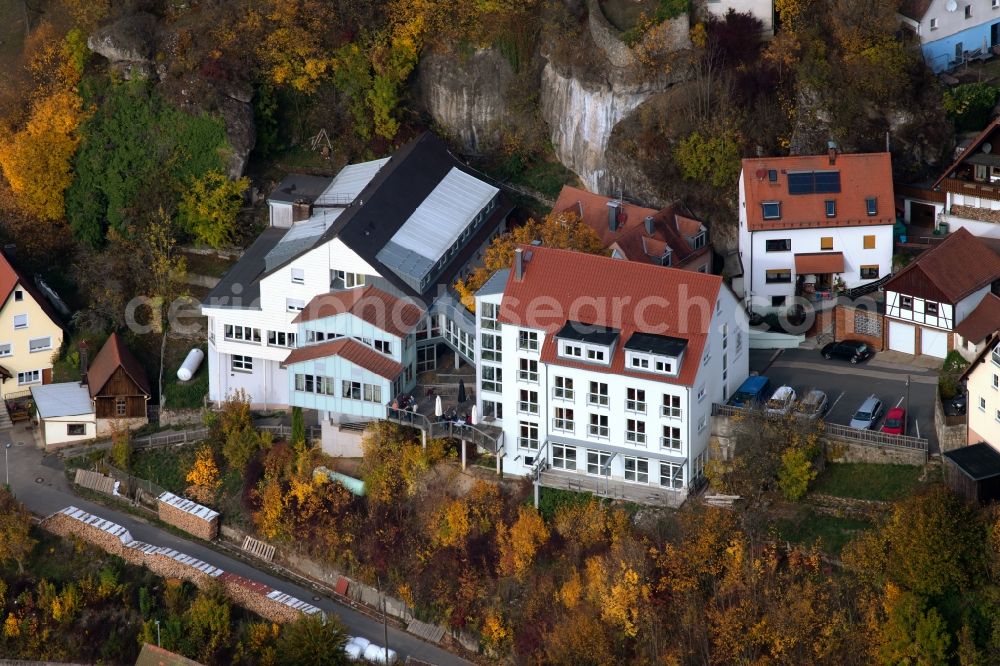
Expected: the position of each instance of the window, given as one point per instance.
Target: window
(778, 245)
(317, 336)
(20, 321)
(635, 432)
(527, 340)
(492, 379)
(598, 426)
(6, 349)
(528, 371)
(280, 339)
(598, 395)
(571, 350)
(778, 276)
(996, 4)
(492, 409)
(242, 363)
(492, 347)
(564, 457)
(906, 302)
(982, 404)
(930, 309)
(384, 346)
(18, 295)
(778, 301)
(528, 403)
(596, 355)
(826, 243)
(666, 367)
(345, 280)
(772, 175)
(772, 210)
(76, 429)
(29, 377)
(563, 419)
(598, 463)
(671, 438)
(639, 362)
(241, 333)
(121, 406)
(298, 276)
(490, 316)
(871, 203)
(934, 24)
(39, 344)
(831, 208)
(294, 304)
(996, 382)
(529, 436)
(998, 415)
(636, 469)
(671, 407)
(635, 400)
(968, 11)
(562, 388)
(672, 475)
(373, 393)
(701, 393)
(869, 272)
(350, 390)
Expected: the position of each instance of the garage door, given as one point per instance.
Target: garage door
(933, 343)
(901, 337)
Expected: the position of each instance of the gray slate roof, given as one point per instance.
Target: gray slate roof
(66, 399)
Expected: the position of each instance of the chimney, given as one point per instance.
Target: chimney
(518, 264)
(831, 148)
(649, 225)
(301, 210)
(613, 208)
(84, 353)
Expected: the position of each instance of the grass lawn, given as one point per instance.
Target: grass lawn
(185, 395)
(207, 264)
(547, 177)
(830, 532)
(868, 481)
(165, 467)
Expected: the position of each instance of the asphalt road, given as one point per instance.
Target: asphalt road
(846, 386)
(40, 483)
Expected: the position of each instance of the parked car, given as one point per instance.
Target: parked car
(895, 421)
(867, 413)
(851, 350)
(782, 401)
(752, 392)
(954, 407)
(814, 405)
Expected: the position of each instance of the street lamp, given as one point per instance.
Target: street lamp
(6, 465)
(158, 634)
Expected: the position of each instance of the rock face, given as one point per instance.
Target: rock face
(467, 95)
(241, 132)
(128, 43)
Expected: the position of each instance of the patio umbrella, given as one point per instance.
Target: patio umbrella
(438, 409)
(474, 419)
(461, 391)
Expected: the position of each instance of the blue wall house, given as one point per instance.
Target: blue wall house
(950, 31)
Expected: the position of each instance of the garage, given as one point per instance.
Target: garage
(933, 343)
(902, 337)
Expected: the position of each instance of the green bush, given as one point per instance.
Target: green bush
(969, 105)
(795, 474)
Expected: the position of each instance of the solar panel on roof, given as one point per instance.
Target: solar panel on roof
(814, 182)
(801, 183)
(827, 182)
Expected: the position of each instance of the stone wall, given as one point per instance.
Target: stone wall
(846, 325)
(105, 426)
(174, 417)
(949, 437)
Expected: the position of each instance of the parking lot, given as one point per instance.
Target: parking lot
(846, 385)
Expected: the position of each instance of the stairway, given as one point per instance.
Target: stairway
(5, 422)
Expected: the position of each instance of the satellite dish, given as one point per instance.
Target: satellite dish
(987, 147)
(952, 5)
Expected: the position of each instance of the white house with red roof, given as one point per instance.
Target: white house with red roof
(809, 225)
(602, 371)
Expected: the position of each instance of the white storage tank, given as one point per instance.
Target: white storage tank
(190, 364)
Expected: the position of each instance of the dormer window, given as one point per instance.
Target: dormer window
(661, 354)
(587, 342)
(697, 241)
(596, 355)
(667, 258)
(772, 210)
(570, 350)
(871, 203)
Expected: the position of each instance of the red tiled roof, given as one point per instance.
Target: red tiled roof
(630, 238)
(561, 285)
(393, 315)
(114, 354)
(954, 268)
(981, 322)
(10, 277)
(862, 175)
(350, 350)
(819, 263)
(968, 151)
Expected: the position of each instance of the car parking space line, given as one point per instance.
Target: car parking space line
(901, 398)
(830, 409)
(916, 424)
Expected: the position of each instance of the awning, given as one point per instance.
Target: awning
(5, 373)
(819, 263)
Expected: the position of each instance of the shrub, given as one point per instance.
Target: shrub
(969, 105)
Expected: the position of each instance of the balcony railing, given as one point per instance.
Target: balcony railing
(478, 435)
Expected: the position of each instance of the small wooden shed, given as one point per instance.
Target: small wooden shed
(974, 472)
(118, 386)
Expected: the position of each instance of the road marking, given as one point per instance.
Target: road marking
(917, 424)
(901, 398)
(835, 402)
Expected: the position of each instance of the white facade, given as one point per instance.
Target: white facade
(982, 228)
(60, 430)
(653, 432)
(983, 385)
(934, 321)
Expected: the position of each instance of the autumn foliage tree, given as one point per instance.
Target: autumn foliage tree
(16, 541)
(520, 542)
(203, 475)
(208, 208)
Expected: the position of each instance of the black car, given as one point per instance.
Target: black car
(852, 350)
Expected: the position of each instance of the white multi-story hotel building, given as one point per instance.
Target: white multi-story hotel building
(597, 368)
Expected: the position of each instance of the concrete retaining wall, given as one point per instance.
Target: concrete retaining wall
(949, 437)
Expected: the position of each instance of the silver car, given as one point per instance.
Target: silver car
(814, 405)
(781, 401)
(867, 413)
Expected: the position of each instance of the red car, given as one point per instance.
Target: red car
(895, 421)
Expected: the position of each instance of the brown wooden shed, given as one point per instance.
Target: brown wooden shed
(118, 384)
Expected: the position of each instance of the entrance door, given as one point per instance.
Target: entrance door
(902, 337)
(995, 34)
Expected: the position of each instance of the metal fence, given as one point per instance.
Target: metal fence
(312, 432)
(866, 437)
(171, 438)
(445, 429)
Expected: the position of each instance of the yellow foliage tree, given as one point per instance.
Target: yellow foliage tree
(520, 542)
(209, 206)
(11, 627)
(269, 518)
(561, 230)
(453, 524)
(203, 475)
(621, 604)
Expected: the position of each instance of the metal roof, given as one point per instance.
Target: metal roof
(301, 236)
(496, 283)
(66, 399)
(978, 462)
(436, 224)
(349, 182)
(187, 506)
(114, 529)
(656, 344)
(240, 287)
